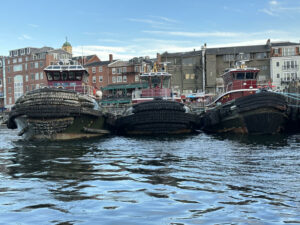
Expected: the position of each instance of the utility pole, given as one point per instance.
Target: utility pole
(203, 68)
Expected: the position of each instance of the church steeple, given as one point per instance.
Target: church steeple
(67, 46)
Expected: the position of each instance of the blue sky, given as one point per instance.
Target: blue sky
(129, 28)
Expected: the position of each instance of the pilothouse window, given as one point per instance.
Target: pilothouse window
(64, 76)
(49, 76)
(56, 76)
(249, 75)
(78, 76)
(240, 76)
(71, 76)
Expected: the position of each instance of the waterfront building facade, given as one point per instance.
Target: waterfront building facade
(186, 69)
(124, 79)
(83, 60)
(99, 72)
(23, 70)
(217, 60)
(1, 84)
(285, 61)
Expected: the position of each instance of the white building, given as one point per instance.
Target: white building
(285, 61)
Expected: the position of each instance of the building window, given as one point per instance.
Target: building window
(100, 78)
(187, 76)
(26, 88)
(9, 80)
(93, 69)
(37, 76)
(17, 68)
(20, 59)
(41, 76)
(119, 79)
(124, 78)
(10, 100)
(136, 78)
(100, 69)
(32, 76)
(31, 65)
(227, 58)
(278, 75)
(192, 76)
(136, 69)
(119, 70)
(41, 64)
(32, 87)
(18, 86)
(277, 64)
(114, 79)
(26, 78)
(26, 66)
(113, 70)
(26, 58)
(0, 82)
(9, 90)
(8, 61)
(124, 69)
(288, 51)
(15, 60)
(37, 86)
(94, 79)
(276, 51)
(36, 65)
(261, 55)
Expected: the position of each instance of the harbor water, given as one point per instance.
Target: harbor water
(193, 179)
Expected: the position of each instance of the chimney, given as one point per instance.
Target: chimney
(110, 57)
(158, 56)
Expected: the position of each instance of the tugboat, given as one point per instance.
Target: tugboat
(245, 107)
(63, 110)
(156, 110)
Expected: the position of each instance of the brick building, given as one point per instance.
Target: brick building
(123, 79)
(83, 60)
(98, 72)
(23, 70)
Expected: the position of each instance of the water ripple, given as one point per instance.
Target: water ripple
(199, 179)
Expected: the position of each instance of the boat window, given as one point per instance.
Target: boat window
(71, 75)
(72, 67)
(78, 76)
(155, 82)
(56, 76)
(240, 76)
(166, 82)
(64, 76)
(49, 76)
(56, 67)
(249, 75)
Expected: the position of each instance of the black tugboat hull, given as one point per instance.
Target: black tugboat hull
(260, 113)
(56, 114)
(157, 117)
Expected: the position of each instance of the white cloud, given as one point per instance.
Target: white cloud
(166, 19)
(273, 3)
(195, 34)
(148, 21)
(276, 8)
(25, 37)
(33, 25)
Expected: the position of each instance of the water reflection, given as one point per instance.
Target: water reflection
(208, 179)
